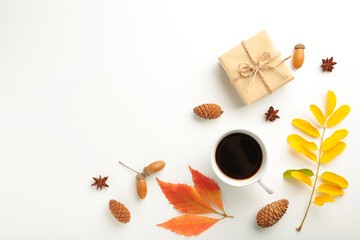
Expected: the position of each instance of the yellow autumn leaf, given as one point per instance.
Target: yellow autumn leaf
(318, 114)
(334, 178)
(306, 127)
(331, 141)
(294, 138)
(302, 177)
(330, 104)
(338, 115)
(304, 151)
(333, 152)
(320, 200)
(331, 190)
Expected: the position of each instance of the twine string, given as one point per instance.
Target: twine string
(246, 70)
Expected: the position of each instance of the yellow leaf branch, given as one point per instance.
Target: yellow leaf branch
(329, 148)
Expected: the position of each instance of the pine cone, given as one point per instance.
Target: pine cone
(119, 211)
(272, 213)
(208, 111)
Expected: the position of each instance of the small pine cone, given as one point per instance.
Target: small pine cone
(208, 111)
(272, 213)
(119, 211)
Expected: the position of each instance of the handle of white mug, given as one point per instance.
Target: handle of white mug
(265, 186)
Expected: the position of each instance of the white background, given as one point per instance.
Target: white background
(84, 84)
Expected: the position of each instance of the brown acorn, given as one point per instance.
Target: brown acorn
(272, 213)
(298, 58)
(208, 111)
(119, 211)
(154, 167)
(141, 187)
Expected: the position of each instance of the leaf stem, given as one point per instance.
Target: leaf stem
(222, 214)
(226, 216)
(218, 213)
(316, 178)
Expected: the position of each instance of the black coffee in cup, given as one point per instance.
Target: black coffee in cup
(238, 156)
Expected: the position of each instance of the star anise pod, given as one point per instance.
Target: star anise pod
(100, 182)
(328, 64)
(271, 115)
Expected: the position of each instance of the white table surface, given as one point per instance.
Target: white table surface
(84, 84)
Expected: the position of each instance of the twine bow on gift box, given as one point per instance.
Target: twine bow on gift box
(246, 70)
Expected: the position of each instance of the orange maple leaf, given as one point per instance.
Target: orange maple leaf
(185, 198)
(188, 199)
(189, 225)
(207, 188)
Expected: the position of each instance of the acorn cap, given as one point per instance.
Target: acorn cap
(140, 176)
(299, 46)
(146, 171)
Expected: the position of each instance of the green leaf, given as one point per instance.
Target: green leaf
(306, 171)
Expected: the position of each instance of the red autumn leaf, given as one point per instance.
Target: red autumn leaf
(185, 198)
(207, 188)
(189, 225)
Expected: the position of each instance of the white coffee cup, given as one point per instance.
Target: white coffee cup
(256, 178)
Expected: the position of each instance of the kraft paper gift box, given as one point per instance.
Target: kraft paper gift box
(255, 68)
